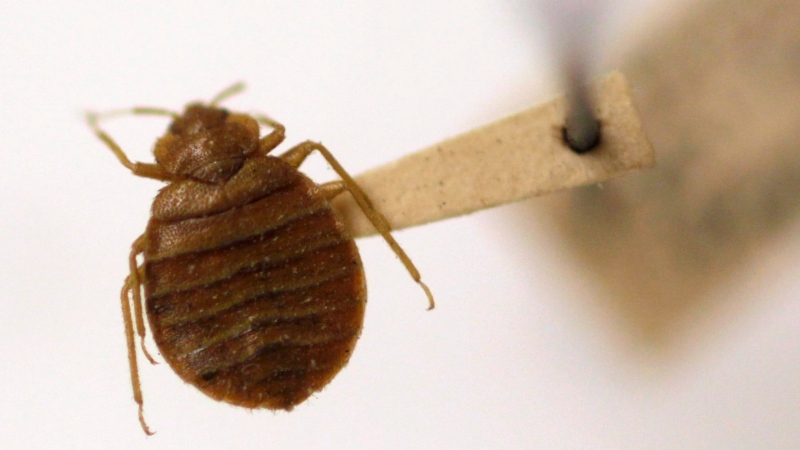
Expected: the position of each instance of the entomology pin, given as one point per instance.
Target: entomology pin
(253, 290)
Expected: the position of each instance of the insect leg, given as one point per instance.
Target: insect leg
(332, 189)
(273, 139)
(131, 341)
(296, 155)
(135, 285)
(140, 169)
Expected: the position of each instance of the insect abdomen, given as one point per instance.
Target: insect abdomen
(256, 296)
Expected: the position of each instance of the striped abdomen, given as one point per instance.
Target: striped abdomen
(254, 292)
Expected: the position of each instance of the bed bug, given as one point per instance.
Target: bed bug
(253, 290)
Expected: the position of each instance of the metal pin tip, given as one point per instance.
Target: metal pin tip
(581, 127)
(581, 134)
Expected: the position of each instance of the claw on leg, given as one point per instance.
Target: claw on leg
(143, 423)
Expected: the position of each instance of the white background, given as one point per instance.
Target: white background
(516, 355)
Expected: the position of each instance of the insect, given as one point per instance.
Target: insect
(253, 290)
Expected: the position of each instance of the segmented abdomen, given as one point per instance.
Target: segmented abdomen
(254, 292)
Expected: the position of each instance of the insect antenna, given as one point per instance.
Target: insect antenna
(227, 93)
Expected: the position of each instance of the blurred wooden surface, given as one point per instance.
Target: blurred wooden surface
(719, 97)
